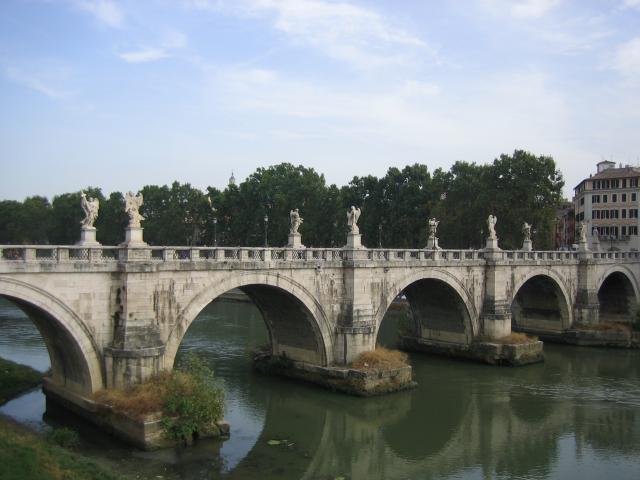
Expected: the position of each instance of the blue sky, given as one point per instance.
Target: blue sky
(120, 94)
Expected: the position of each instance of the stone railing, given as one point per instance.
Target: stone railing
(101, 254)
(395, 255)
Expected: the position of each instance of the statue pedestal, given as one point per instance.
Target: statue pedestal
(527, 246)
(88, 237)
(432, 244)
(492, 244)
(354, 241)
(133, 237)
(295, 241)
(595, 244)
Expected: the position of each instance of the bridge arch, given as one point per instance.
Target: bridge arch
(75, 362)
(311, 337)
(426, 288)
(618, 294)
(540, 301)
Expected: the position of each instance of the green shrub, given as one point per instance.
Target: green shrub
(64, 437)
(193, 401)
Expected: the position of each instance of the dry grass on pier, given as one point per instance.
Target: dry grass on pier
(138, 400)
(516, 338)
(380, 359)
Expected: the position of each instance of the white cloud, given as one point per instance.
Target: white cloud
(632, 3)
(146, 54)
(627, 59)
(105, 11)
(171, 41)
(354, 34)
(38, 82)
(533, 8)
(525, 9)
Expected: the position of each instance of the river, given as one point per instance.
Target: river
(575, 416)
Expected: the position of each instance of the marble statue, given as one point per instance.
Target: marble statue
(352, 220)
(526, 229)
(582, 231)
(433, 225)
(90, 207)
(491, 223)
(295, 221)
(132, 204)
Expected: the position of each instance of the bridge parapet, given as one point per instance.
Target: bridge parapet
(46, 255)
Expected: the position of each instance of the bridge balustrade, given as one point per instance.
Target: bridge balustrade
(51, 254)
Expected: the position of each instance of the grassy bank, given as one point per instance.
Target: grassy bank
(26, 456)
(15, 379)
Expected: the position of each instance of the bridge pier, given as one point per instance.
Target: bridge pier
(587, 305)
(495, 319)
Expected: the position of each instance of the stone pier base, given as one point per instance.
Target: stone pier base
(590, 338)
(145, 433)
(485, 352)
(341, 379)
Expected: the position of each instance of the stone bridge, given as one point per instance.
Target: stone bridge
(112, 316)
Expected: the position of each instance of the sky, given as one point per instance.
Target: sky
(125, 93)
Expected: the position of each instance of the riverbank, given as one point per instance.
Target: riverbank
(15, 379)
(25, 456)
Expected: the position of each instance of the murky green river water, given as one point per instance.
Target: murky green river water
(575, 416)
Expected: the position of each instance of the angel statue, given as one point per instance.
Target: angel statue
(433, 225)
(352, 220)
(90, 207)
(526, 229)
(582, 231)
(295, 221)
(132, 204)
(491, 223)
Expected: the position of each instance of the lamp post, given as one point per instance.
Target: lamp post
(266, 223)
(215, 231)
(379, 235)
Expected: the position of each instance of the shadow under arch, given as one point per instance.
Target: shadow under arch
(296, 322)
(73, 353)
(540, 302)
(617, 295)
(440, 307)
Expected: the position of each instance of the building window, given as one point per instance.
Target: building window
(624, 183)
(633, 197)
(624, 213)
(624, 197)
(605, 198)
(614, 198)
(595, 198)
(624, 229)
(633, 230)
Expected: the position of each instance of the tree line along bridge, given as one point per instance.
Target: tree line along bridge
(113, 316)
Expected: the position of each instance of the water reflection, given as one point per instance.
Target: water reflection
(576, 415)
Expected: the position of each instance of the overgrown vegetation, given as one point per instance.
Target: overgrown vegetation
(516, 188)
(25, 456)
(189, 399)
(380, 359)
(63, 437)
(16, 378)
(608, 327)
(516, 338)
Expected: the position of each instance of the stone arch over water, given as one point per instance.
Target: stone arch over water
(540, 302)
(75, 362)
(440, 307)
(296, 322)
(617, 295)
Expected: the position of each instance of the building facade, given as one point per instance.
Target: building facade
(565, 226)
(608, 203)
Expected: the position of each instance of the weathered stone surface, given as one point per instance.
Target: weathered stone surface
(485, 352)
(115, 316)
(346, 380)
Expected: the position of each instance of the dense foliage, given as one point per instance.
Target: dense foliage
(395, 208)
